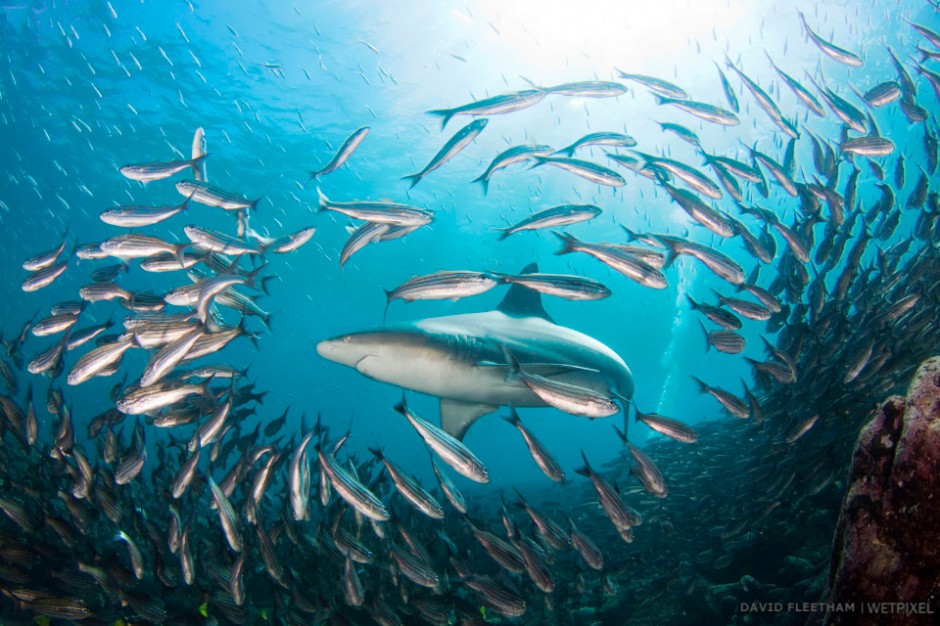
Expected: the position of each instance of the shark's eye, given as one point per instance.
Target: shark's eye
(347, 339)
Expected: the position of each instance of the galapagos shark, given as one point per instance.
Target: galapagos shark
(462, 359)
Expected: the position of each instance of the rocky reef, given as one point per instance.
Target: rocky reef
(886, 553)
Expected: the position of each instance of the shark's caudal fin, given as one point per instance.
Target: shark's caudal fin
(457, 417)
(523, 302)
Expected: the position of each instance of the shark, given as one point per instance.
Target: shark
(464, 359)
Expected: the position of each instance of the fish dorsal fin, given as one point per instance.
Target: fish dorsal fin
(523, 302)
(457, 417)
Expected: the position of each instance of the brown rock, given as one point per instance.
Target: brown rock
(887, 544)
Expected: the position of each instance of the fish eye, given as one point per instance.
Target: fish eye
(347, 339)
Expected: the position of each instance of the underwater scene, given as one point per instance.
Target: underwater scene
(481, 312)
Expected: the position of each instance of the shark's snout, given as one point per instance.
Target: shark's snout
(332, 349)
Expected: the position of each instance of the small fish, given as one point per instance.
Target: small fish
(496, 105)
(723, 318)
(351, 490)
(345, 151)
(657, 85)
(765, 102)
(352, 587)
(444, 285)
(728, 90)
(408, 487)
(619, 140)
(137, 559)
(802, 93)
(98, 360)
(450, 490)
(801, 429)
(588, 89)
(744, 308)
(882, 94)
(548, 529)
(726, 341)
(135, 246)
(451, 451)
(566, 397)
(542, 457)
(701, 110)
(148, 172)
(586, 547)
(213, 241)
(44, 277)
(516, 154)
(198, 152)
(648, 473)
(711, 218)
(53, 325)
(673, 429)
(560, 285)
(831, 50)
(361, 237)
(613, 505)
(379, 212)
(585, 169)
(735, 405)
(718, 262)
(45, 259)
(461, 139)
(868, 146)
(185, 476)
(204, 193)
(164, 361)
(689, 175)
(504, 553)
(631, 266)
(144, 400)
(226, 517)
(561, 215)
(138, 216)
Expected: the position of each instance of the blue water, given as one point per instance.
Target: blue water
(86, 88)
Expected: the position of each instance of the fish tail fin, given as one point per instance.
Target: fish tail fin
(513, 417)
(622, 434)
(695, 305)
(670, 256)
(484, 182)
(701, 384)
(505, 231)
(378, 453)
(388, 301)
(568, 243)
(708, 345)
(322, 201)
(252, 279)
(660, 99)
(514, 369)
(315, 175)
(187, 201)
(414, 178)
(178, 253)
(402, 406)
(587, 470)
(444, 114)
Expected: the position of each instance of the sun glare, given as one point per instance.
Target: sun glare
(608, 33)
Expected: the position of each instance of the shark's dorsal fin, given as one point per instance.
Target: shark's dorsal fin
(457, 417)
(523, 302)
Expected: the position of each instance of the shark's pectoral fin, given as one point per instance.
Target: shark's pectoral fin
(457, 417)
(367, 365)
